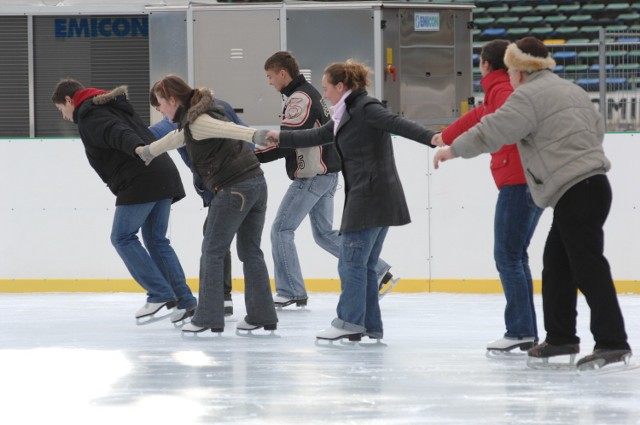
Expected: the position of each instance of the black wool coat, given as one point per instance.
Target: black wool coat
(373, 192)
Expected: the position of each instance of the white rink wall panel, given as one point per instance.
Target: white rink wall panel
(56, 216)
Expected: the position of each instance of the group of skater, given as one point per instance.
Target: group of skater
(543, 133)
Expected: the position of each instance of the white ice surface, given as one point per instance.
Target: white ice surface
(81, 359)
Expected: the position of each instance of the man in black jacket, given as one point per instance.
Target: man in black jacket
(314, 172)
(110, 130)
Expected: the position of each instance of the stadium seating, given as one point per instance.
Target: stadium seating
(571, 29)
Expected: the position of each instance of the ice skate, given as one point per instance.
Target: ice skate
(594, 363)
(281, 302)
(387, 283)
(180, 317)
(149, 312)
(331, 334)
(507, 346)
(244, 328)
(373, 340)
(540, 354)
(228, 307)
(190, 330)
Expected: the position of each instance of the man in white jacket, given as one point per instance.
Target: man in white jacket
(560, 143)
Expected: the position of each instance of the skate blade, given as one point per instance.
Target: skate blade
(543, 363)
(337, 344)
(140, 321)
(206, 334)
(388, 288)
(249, 334)
(599, 367)
(180, 323)
(513, 354)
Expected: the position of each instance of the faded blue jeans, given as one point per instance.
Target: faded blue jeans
(236, 211)
(156, 268)
(358, 308)
(312, 196)
(516, 219)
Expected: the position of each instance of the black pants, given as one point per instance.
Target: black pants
(573, 259)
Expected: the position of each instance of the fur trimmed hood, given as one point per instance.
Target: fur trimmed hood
(518, 60)
(202, 106)
(103, 99)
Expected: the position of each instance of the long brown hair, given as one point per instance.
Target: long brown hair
(174, 86)
(352, 74)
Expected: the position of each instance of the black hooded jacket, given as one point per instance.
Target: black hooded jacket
(110, 131)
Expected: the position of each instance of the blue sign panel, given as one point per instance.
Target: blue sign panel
(427, 22)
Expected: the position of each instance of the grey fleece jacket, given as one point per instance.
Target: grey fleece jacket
(560, 135)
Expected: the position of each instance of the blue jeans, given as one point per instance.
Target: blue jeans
(311, 196)
(515, 221)
(236, 211)
(358, 309)
(157, 269)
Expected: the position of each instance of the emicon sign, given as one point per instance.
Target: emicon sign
(101, 27)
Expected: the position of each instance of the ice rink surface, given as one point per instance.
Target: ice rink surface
(81, 359)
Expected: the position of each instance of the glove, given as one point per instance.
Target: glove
(261, 140)
(146, 155)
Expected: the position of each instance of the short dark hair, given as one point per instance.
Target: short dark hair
(65, 87)
(493, 53)
(283, 60)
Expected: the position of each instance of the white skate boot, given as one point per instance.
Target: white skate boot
(334, 334)
(191, 330)
(180, 317)
(147, 313)
(245, 329)
(507, 346)
(281, 302)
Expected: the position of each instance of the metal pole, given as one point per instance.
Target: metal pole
(602, 74)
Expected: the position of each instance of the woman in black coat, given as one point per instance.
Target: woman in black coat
(361, 129)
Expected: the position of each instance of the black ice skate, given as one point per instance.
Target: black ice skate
(601, 357)
(540, 354)
(387, 283)
(507, 346)
(281, 302)
(244, 328)
(149, 312)
(228, 307)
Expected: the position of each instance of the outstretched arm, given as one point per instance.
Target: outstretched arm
(380, 117)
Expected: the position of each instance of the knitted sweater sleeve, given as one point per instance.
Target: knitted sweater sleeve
(204, 127)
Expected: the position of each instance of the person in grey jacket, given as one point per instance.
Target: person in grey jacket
(560, 143)
(360, 128)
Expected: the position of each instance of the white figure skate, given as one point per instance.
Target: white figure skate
(281, 302)
(506, 346)
(182, 316)
(149, 312)
(246, 329)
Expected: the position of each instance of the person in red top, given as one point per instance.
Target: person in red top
(516, 214)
